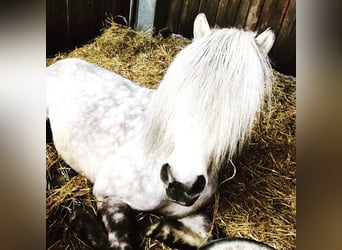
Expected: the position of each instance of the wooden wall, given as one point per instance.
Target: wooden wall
(252, 15)
(70, 23)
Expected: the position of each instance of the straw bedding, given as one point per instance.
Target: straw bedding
(258, 203)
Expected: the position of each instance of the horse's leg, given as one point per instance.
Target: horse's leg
(88, 227)
(186, 233)
(117, 218)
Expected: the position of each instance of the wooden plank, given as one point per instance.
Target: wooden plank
(122, 9)
(161, 14)
(287, 23)
(118, 10)
(242, 14)
(190, 9)
(175, 9)
(209, 7)
(70, 23)
(220, 16)
(272, 14)
(227, 13)
(56, 26)
(289, 62)
(284, 51)
(253, 14)
(284, 56)
(98, 16)
(108, 8)
(81, 25)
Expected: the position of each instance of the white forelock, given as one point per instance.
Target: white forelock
(213, 90)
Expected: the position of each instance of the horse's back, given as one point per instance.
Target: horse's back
(92, 111)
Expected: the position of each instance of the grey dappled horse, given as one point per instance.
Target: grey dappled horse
(161, 150)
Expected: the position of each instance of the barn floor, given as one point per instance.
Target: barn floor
(258, 203)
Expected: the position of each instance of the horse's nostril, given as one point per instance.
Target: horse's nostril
(198, 186)
(165, 173)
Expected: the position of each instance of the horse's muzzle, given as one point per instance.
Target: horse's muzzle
(176, 193)
(185, 195)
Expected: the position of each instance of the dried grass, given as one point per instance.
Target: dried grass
(258, 203)
(137, 56)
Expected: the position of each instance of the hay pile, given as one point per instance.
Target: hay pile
(258, 203)
(136, 56)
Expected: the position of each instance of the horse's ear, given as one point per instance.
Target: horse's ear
(201, 26)
(265, 40)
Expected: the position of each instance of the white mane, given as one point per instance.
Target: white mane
(213, 90)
